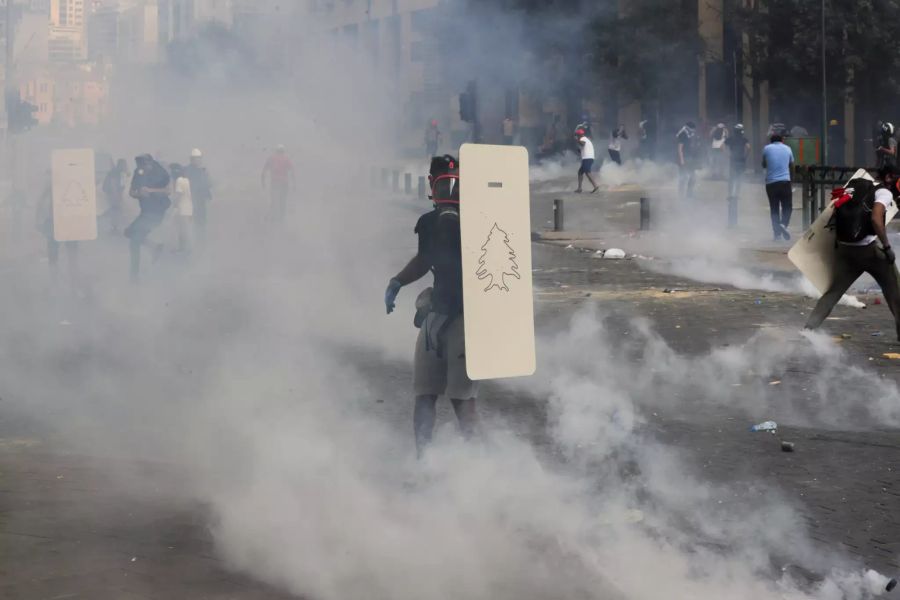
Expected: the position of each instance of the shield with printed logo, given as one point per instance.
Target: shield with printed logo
(495, 230)
(74, 195)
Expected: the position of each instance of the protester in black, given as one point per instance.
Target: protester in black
(150, 185)
(440, 364)
(739, 150)
(862, 244)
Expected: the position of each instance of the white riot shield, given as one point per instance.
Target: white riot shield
(74, 195)
(814, 253)
(495, 223)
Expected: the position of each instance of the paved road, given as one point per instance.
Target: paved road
(70, 527)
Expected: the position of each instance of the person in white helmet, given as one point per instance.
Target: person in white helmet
(886, 152)
(201, 192)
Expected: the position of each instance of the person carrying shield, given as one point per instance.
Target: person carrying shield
(440, 356)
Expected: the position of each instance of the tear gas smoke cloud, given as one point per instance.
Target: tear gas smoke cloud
(255, 374)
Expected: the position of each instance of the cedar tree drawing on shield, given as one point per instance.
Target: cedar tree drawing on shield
(497, 261)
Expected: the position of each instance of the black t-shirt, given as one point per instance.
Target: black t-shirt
(439, 245)
(689, 141)
(737, 145)
(152, 175)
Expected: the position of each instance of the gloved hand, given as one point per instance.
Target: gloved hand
(889, 254)
(390, 294)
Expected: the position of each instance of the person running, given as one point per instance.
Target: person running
(778, 161)
(150, 186)
(280, 171)
(688, 157)
(182, 202)
(739, 152)
(615, 144)
(862, 244)
(587, 160)
(440, 363)
(201, 193)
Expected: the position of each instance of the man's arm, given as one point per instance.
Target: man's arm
(266, 168)
(415, 270)
(878, 218)
(746, 151)
(681, 153)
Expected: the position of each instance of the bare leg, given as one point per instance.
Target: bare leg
(424, 416)
(593, 183)
(580, 179)
(467, 415)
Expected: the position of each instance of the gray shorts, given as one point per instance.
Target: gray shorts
(436, 375)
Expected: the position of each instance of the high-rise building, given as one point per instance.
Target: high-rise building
(68, 39)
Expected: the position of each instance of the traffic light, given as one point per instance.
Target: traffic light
(467, 104)
(19, 115)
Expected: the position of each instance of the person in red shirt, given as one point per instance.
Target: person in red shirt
(280, 171)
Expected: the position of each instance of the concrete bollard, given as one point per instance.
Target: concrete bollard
(423, 189)
(645, 214)
(559, 216)
(407, 183)
(395, 181)
(732, 212)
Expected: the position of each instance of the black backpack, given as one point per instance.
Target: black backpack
(852, 218)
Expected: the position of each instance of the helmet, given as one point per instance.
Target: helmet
(444, 178)
(888, 128)
(195, 153)
(434, 123)
(579, 132)
(739, 127)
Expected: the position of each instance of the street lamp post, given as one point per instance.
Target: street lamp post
(824, 94)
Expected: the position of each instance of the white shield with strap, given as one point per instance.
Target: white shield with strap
(74, 195)
(815, 253)
(495, 227)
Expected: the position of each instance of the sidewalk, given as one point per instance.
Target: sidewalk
(678, 229)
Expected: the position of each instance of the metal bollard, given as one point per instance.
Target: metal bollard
(423, 191)
(395, 181)
(559, 216)
(407, 183)
(645, 214)
(732, 212)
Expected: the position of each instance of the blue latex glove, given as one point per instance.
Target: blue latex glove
(390, 294)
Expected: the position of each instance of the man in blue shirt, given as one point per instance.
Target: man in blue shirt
(778, 161)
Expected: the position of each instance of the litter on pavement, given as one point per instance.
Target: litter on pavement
(770, 426)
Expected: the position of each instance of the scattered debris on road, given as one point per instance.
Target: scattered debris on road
(770, 426)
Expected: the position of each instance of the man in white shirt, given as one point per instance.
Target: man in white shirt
(183, 203)
(587, 160)
(863, 247)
